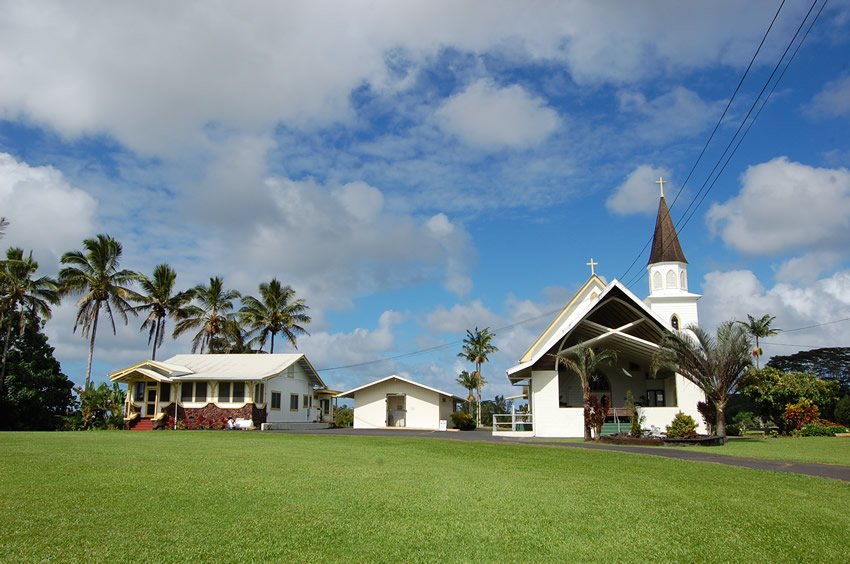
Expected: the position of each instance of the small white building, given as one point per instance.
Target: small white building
(398, 402)
(610, 316)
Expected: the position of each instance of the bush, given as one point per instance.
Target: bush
(343, 416)
(801, 413)
(821, 428)
(842, 410)
(682, 427)
(463, 421)
(733, 430)
(709, 415)
(744, 420)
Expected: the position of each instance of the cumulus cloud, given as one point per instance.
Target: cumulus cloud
(785, 206)
(485, 115)
(45, 212)
(832, 101)
(734, 294)
(678, 113)
(639, 192)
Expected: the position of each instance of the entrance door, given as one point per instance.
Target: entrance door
(151, 399)
(396, 412)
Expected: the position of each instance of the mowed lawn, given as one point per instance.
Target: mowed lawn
(216, 496)
(822, 450)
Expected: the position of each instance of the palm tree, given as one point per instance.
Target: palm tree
(214, 310)
(585, 362)
(160, 302)
(470, 383)
(96, 276)
(477, 346)
(275, 312)
(22, 295)
(716, 365)
(758, 328)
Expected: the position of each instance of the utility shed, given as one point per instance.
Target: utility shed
(396, 402)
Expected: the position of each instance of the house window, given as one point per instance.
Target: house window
(164, 392)
(260, 393)
(231, 392)
(290, 372)
(139, 393)
(193, 392)
(293, 402)
(683, 280)
(275, 400)
(671, 279)
(306, 401)
(674, 322)
(656, 281)
(655, 398)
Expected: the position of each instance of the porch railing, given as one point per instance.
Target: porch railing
(512, 422)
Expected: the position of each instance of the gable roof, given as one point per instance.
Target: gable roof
(350, 393)
(617, 315)
(665, 241)
(239, 367)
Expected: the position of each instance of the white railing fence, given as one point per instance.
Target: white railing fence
(513, 422)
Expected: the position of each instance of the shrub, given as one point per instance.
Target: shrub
(821, 428)
(343, 416)
(800, 413)
(733, 430)
(709, 415)
(842, 410)
(637, 418)
(682, 427)
(463, 421)
(744, 420)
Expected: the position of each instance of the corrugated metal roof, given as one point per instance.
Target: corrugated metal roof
(394, 377)
(233, 366)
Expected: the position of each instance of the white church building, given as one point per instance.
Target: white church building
(609, 315)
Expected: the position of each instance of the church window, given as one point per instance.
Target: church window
(656, 281)
(683, 281)
(671, 279)
(674, 322)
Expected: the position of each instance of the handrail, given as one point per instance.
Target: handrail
(512, 421)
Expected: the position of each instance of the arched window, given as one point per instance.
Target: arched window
(656, 281)
(671, 279)
(684, 281)
(674, 322)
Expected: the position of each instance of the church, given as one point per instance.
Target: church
(610, 316)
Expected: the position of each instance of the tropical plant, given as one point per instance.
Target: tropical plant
(470, 383)
(214, 309)
(463, 421)
(715, 365)
(22, 297)
(477, 347)
(772, 390)
(102, 407)
(95, 275)
(801, 413)
(343, 416)
(160, 302)
(276, 311)
(585, 362)
(759, 328)
(233, 339)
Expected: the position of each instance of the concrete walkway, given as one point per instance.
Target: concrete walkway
(693, 454)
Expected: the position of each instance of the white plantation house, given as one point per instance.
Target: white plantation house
(610, 316)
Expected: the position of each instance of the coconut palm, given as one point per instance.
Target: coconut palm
(716, 365)
(470, 383)
(95, 275)
(276, 311)
(585, 362)
(758, 328)
(22, 296)
(477, 346)
(159, 301)
(213, 311)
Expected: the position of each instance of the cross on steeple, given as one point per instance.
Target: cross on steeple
(592, 264)
(661, 182)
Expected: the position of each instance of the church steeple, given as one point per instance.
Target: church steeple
(668, 273)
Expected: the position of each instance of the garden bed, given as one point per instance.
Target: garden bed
(633, 441)
(701, 440)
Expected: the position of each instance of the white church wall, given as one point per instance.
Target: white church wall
(549, 419)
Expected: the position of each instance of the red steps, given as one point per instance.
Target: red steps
(143, 424)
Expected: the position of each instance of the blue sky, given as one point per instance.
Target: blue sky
(416, 169)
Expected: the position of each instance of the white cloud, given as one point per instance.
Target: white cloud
(734, 294)
(678, 113)
(485, 115)
(461, 317)
(45, 212)
(786, 206)
(639, 192)
(832, 101)
(807, 268)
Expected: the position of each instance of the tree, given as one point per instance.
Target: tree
(276, 311)
(38, 395)
(213, 312)
(494, 406)
(477, 347)
(102, 407)
(716, 365)
(159, 301)
(95, 275)
(759, 328)
(772, 391)
(831, 363)
(22, 297)
(585, 362)
(233, 339)
(470, 383)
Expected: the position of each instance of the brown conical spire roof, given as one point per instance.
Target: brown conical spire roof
(665, 242)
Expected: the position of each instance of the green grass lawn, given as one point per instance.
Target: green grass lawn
(824, 450)
(229, 496)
